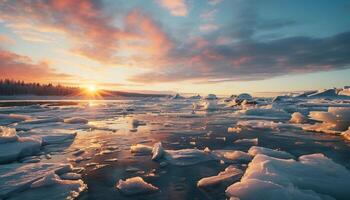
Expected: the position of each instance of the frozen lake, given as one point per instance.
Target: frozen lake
(87, 149)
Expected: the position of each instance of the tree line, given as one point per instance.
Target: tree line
(13, 87)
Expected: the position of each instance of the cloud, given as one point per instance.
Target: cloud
(175, 7)
(18, 67)
(89, 27)
(253, 60)
(208, 27)
(6, 40)
(214, 2)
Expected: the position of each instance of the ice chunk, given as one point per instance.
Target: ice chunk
(253, 141)
(234, 129)
(58, 138)
(305, 94)
(135, 185)
(157, 151)
(185, 157)
(210, 105)
(313, 175)
(135, 123)
(231, 173)
(241, 97)
(255, 150)
(7, 135)
(255, 189)
(211, 97)
(20, 148)
(196, 97)
(337, 118)
(18, 177)
(298, 118)
(47, 180)
(346, 134)
(237, 156)
(324, 93)
(70, 176)
(76, 120)
(261, 124)
(141, 149)
(178, 96)
(42, 121)
(345, 92)
(6, 119)
(54, 187)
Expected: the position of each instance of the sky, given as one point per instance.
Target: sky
(186, 46)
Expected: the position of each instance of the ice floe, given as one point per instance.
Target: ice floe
(13, 147)
(242, 97)
(253, 141)
(298, 118)
(231, 173)
(211, 97)
(337, 118)
(237, 156)
(261, 124)
(135, 185)
(185, 157)
(255, 150)
(141, 149)
(346, 134)
(76, 120)
(157, 151)
(17, 177)
(311, 177)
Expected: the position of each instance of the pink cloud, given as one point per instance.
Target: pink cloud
(208, 27)
(18, 67)
(176, 7)
(90, 29)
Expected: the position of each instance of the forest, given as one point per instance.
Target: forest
(13, 87)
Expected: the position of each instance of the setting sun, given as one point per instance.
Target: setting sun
(92, 88)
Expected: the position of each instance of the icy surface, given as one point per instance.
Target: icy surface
(171, 143)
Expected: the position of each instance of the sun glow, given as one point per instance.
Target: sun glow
(92, 88)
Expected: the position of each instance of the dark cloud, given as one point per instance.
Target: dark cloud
(255, 60)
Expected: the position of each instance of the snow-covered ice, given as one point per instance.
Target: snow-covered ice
(313, 176)
(231, 173)
(175, 144)
(255, 150)
(13, 148)
(135, 185)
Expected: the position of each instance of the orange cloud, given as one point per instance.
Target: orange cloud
(148, 36)
(18, 67)
(6, 40)
(90, 29)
